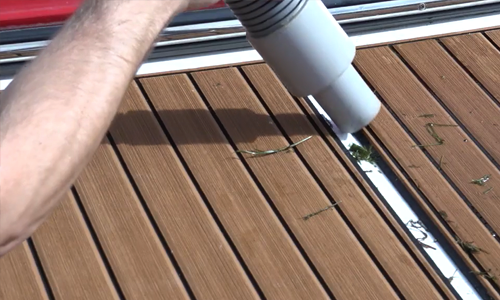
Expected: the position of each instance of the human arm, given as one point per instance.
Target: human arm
(56, 111)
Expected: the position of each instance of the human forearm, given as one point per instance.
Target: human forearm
(55, 112)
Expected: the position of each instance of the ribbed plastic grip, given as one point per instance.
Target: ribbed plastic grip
(262, 17)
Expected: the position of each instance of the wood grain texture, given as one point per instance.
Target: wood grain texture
(481, 58)
(69, 256)
(494, 35)
(459, 93)
(277, 265)
(404, 236)
(328, 241)
(209, 265)
(19, 277)
(386, 247)
(463, 160)
(139, 262)
(438, 191)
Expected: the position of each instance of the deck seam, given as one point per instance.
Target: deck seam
(374, 203)
(422, 216)
(263, 192)
(429, 157)
(426, 200)
(97, 243)
(434, 221)
(382, 204)
(40, 269)
(200, 192)
(323, 188)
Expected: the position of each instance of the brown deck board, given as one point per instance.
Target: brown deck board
(19, 276)
(236, 199)
(468, 102)
(174, 211)
(494, 35)
(68, 254)
(406, 274)
(350, 273)
(139, 262)
(464, 161)
(197, 243)
(481, 58)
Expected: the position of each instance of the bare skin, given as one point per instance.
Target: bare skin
(56, 111)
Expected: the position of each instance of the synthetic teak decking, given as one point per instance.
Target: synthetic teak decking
(169, 209)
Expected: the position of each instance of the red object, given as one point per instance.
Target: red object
(32, 13)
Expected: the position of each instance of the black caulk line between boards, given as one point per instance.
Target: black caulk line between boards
(151, 219)
(262, 190)
(468, 72)
(209, 207)
(97, 243)
(325, 190)
(441, 103)
(40, 269)
(372, 201)
(492, 42)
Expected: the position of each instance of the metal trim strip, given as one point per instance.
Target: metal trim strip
(359, 16)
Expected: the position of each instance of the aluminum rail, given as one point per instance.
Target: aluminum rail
(231, 29)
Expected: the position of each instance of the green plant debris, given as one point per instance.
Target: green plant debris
(486, 274)
(450, 279)
(481, 181)
(430, 129)
(427, 116)
(444, 215)
(361, 153)
(307, 217)
(257, 152)
(469, 247)
(441, 162)
(487, 190)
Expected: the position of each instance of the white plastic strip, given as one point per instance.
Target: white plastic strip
(4, 83)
